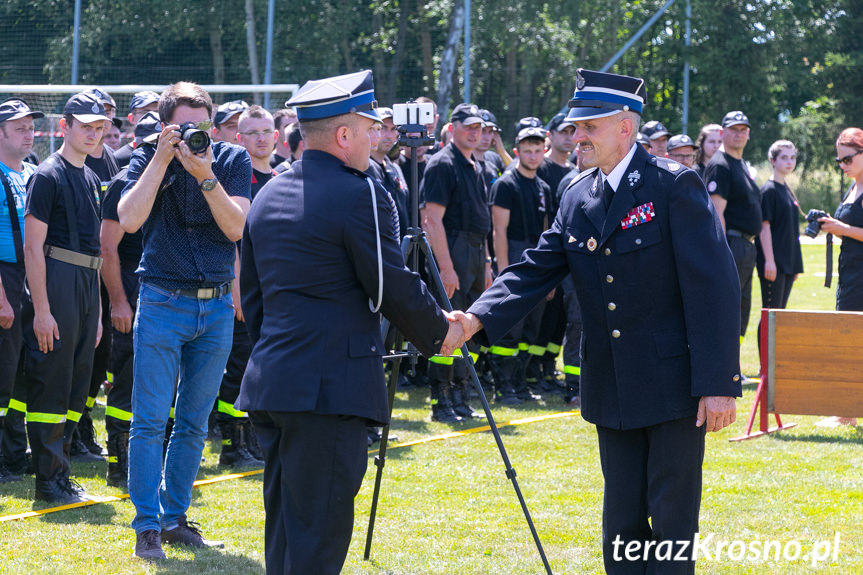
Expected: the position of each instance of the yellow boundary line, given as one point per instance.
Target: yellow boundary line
(200, 483)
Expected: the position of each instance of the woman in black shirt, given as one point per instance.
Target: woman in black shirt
(848, 224)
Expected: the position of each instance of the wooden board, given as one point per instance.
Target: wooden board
(815, 363)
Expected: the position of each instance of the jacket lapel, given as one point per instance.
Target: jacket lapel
(594, 209)
(624, 197)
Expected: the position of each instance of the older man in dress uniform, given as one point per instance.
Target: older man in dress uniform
(659, 300)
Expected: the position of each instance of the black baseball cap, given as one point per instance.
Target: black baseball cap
(529, 122)
(118, 123)
(654, 130)
(489, 119)
(141, 99)
(228, 110)
(148, 127)
(15, 108)
(734, 118)
(102, 96)
(467, 114)
(559, 122)
(642, 140)
(530, 132)
(680, 141)
(85, 108)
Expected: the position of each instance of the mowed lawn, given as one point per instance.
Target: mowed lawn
(447, 506)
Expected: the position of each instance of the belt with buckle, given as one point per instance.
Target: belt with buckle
(738, 234)
(74, 258)
(206, 293)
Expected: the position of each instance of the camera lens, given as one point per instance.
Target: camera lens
(197, 140)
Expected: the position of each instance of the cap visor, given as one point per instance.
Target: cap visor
(469, 121)
(658, 135)
(151, 138)
(90, 118)
(371, 115)
(579, 114)
(33, 115)
(729, 124)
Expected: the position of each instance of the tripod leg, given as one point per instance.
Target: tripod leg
(437, 286)
(380, 458)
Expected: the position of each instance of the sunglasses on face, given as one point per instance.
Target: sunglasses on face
(848, 159)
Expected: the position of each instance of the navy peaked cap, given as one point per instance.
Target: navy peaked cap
(141, 99)
(489, 119)
(529, 122)
(598, 94)
(680, 141)
(15, 108)
(734, 118)
(86, 108)
(558, 123)
(102, 96)
(148, 126)
(347, 94)
(228, 110)
(530, 132)
(654, 129)
(467, 114)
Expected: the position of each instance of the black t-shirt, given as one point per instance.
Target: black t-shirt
(105, 167)
(276, 159)
(452, 181)
(525, 198)
(780, 208)
(131, 245)
(492, 167)
(729, 178)
(849, 292)
(47, 202)
(259, 179)
(123, 155)
(553, 173)
(404, 163)
(564, 183)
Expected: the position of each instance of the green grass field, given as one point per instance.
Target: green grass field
(447, 507)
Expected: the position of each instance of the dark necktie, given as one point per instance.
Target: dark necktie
(607, 194)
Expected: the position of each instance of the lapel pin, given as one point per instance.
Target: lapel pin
(571, 239)
(633, 177)
(591, 244)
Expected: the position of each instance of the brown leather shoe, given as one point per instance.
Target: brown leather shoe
(148, 545)
(188, 533)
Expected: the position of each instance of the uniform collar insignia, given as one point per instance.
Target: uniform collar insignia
(633, 177)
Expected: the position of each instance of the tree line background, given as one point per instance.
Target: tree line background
(795, 67)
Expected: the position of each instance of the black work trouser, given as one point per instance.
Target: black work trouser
(652, 494)
(118, 413)
(11, 339)
(241, 348)
(744, 253)
(102, 353)
(572, 339)
(58, 381)
(467, 252)
(313, 468)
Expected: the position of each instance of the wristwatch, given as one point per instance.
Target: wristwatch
(209, 184)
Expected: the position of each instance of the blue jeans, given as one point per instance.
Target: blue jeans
(175, 337)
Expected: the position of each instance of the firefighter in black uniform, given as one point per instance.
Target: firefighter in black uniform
(655, 281)
(121, 254)
(456, 217)
(61, 322)
(320, 259)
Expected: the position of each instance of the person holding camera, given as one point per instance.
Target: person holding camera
(847, 223)
(778, 258)
(190, 197)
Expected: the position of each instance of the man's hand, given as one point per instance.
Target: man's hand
(716, 411)
(550, 295)
(470, 324)
(7, 314)
(489, 276)
(98, 333)
(235, 297)
(770, 270)
(121, 316)
(200, 166)
(450, 281)
(46, 331)
(454, 336)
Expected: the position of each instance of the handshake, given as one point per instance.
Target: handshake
(462, 327)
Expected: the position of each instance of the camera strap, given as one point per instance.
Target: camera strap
(372, 306)
(828, 274)
(13, 216)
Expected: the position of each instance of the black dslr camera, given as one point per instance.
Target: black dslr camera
(813, 226)
(197, 140)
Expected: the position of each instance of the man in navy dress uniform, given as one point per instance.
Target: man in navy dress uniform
(659, 299)
(320, 258)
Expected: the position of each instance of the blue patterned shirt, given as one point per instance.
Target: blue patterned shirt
(18, 182)
(183, 246)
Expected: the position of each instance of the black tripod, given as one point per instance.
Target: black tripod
(412, 244)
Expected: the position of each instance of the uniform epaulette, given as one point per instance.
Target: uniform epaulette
(666, 164)
(356, 172)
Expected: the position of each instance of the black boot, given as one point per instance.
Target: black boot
(118, 460)
(234, 452)
(250, 438)
(441, 406)
(88, 433)
(60, 490)
(503, 369)
(522, 389)
(78, 450)
(460, 394)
